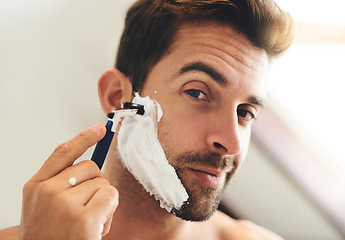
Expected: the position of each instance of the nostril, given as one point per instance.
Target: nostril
(218, 145)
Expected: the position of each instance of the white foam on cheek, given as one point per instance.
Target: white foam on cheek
(144, 157)
(159, 113)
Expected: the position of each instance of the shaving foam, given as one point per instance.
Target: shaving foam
(143, 155)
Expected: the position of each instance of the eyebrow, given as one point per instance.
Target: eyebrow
(199, 66)
(257, 101)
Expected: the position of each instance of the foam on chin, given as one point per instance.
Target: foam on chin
(143, 155)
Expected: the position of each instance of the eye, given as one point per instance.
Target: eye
(197, 94)
(245, 115)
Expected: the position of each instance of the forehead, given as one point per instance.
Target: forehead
(218, 55)
(220, 45)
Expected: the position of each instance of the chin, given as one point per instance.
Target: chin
(202, 203)
(203, 200)
(194, 213)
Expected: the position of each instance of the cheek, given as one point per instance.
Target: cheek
(178, 134)
(168, 136)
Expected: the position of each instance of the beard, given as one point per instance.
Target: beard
(203, 199)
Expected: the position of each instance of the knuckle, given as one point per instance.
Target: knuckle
(111, 191)
(28, 189)
(45, 189)
(105, 181)
(85, 134)
(64, 147)
(91, 165)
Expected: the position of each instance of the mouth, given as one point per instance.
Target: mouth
(210, 177)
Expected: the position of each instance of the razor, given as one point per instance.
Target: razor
(114, 117)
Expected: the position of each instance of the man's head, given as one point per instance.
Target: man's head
(152, 25)
(211, 85)
(205, 62)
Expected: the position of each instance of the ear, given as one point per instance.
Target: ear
(114, 88)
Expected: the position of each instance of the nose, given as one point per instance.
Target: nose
(224, 135)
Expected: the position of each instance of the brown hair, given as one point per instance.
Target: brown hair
(151, 26)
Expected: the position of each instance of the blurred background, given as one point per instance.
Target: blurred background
(53, 52)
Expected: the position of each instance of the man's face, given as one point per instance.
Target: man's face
(210, 85)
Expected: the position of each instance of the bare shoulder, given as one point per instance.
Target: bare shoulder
(11, 233)
(229, 228)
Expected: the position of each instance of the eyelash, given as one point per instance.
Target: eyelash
(241, 111)
(195, 93)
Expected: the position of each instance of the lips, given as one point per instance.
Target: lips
(209, 177)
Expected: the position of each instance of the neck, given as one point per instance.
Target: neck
(139, 214)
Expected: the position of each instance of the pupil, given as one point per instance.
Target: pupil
(194, 93)
(242, 112)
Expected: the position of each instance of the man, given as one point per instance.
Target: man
(205, 63)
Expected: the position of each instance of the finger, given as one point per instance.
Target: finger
(107, 226)
(82, 193)
(103, 203)
(65, 154)
(81, 171)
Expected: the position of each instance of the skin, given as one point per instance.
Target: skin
(204, 111)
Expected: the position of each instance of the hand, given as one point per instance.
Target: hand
(54, 209)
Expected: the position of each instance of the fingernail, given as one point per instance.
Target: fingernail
(101, 228)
